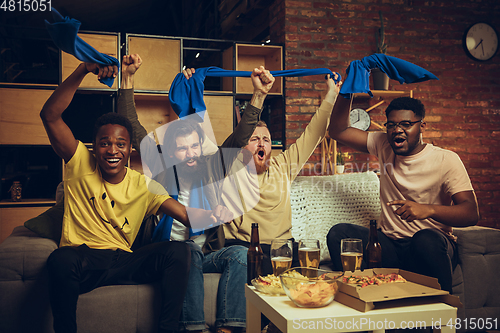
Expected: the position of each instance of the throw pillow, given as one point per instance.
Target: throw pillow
(49, 223)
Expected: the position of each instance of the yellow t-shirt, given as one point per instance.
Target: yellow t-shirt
(103, 215)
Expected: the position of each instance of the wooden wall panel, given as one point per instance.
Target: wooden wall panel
(161, 62)
(20, 122)
(220, 112)
(15, 216)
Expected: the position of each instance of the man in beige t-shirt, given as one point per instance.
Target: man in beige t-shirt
(424, 192)
(265, 191)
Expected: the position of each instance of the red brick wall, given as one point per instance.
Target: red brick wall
(463, 107)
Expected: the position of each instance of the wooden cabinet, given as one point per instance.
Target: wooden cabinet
(161, 58)
(20, 123)
(11, 217)
(25, 151)
(246, 57)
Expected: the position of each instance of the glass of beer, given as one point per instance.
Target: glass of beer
(309, 252)
(281, 255)
(351, 253)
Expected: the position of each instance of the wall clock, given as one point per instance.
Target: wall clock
(360, 119)
(480, 41)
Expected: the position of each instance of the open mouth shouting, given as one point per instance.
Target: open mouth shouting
(261, 154)
(399, 141)
(191, 162)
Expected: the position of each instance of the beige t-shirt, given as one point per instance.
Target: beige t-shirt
(266, 197)
(431, 176)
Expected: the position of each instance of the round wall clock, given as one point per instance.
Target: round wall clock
(480, 41)
(360, 119)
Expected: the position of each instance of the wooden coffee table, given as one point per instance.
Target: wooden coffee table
(337, 317)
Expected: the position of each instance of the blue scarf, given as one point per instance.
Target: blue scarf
(197, 199)
(358, 73)
(64, 33)
(186, 96)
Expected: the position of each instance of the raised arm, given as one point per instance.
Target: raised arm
(298, 153)
(262, 81)
(126, 104)
(339, 127)
(61, 138)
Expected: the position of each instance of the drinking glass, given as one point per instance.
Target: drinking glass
(309, 253)
(351, 254)
(281, 255)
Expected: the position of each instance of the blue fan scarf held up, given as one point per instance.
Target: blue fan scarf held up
(64, 32)
(358, 73)
(186, 96)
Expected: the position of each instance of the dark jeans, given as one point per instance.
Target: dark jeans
(267, 267)
(77, 270)
(429, 252)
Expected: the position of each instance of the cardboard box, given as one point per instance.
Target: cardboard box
(417, 289)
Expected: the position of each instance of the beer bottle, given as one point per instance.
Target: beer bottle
(373, 249)
(254, 255)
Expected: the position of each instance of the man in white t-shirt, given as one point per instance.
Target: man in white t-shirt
(424, 192)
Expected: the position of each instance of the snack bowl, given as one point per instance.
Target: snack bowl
(310, 287)
(270, 284)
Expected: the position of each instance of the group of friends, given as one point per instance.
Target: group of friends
(207, 199)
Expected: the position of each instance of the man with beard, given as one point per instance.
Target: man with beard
(424, 192)
(273, 178)
(185, 170)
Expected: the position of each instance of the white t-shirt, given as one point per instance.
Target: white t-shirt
(431, 176)
(179, 231)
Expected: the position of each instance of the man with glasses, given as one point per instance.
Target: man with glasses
(424, 192)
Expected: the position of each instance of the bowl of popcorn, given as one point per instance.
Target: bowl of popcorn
(310, 287)
(269, 284)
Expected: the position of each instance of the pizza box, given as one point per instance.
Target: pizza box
(417, 289)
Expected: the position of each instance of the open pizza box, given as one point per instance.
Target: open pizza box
(417, 289)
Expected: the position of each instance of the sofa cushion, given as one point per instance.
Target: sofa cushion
(49, 223)
(319, 202)
(23, 255)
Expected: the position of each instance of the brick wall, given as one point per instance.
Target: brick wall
(463, 107)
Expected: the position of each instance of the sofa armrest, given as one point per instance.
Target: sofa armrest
(479, 257)
(23, 255)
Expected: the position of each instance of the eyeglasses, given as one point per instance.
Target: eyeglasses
(405, 124)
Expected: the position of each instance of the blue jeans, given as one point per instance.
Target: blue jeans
(231, 262)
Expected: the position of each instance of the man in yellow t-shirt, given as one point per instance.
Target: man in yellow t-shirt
(105, 203)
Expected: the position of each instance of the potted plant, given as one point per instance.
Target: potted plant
(380, 79)
(339, 168)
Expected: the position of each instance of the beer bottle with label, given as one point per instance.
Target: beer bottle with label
(254, 255)
(373, 249)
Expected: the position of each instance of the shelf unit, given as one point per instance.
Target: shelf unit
(25, 150)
